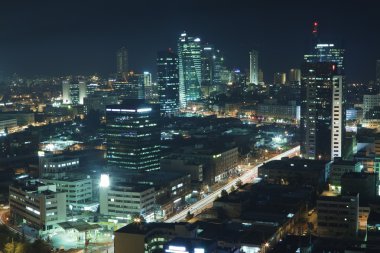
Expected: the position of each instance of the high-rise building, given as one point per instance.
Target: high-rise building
(294, 75)
(279, 78)
(254, 67)
(122, 62)
(132, 88)
(212, 67)
(189, 54)
(73, 92)
(321, 111)
(261, 76)
(327, 52)
(168, 82)
(133, 136)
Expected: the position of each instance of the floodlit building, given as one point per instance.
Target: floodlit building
(126, 201)
(189, 55)
(254, 67)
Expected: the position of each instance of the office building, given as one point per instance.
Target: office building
(327, 52)
(168, 82)
(254, 67)
(191, 245)
(125, 201)
(338, 216)
(212, 65)
(130, 88)
(133, 135)
(294, 76)
(189, 55)
(38, 205)
(338, 168)
(98, 101)
(320, 112)
(279, 78)
(78, 191)
(73, 92)
(122, 63)
(6, 124)
(370, 102)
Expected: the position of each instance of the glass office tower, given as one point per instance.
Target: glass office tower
(189, 54)
(133, 136)
(168, 82)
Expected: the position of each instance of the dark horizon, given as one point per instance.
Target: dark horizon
(64, 38)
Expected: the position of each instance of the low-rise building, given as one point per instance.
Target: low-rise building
(338, 168)
(149, 237)
(38, 205)
(366, 184)
(126, 201)
(338, 216)
(295, 172)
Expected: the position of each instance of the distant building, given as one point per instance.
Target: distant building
(168, 82)
(338, 216)
(22, 118)
(254, 67)
(38, 205)
(172, 163)
(122, 62)
(6, 124)
(193, 245)
(294, 76)
(73, 92)
(133, 136)
(275, 111)
(279, 78)
(369, 103)
(56, 166)
(327, 52)
(98, 102)
(377, 76)
(189, 54)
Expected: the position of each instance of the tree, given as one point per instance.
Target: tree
(232, 188)
(189, 215)
(223, 193)
(239, 183)
(14, 247)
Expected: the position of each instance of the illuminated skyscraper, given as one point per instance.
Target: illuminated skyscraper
(73, 92)
(122, 62)
(132, 88)
(322, 113)
(168, 82)
(279, 78)
(254, 67)
(294, 75)
(212, 67)
(133, 136)
(189, 54)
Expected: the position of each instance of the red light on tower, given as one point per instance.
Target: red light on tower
(315, 23)
(315, 27)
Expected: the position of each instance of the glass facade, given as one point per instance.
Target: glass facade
(133, 135)
(326, 53)
(212, 63)
(168, 82)
(189, 54)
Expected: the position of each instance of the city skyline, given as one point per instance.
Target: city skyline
(78, 38)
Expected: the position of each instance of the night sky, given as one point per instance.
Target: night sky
(80, 37)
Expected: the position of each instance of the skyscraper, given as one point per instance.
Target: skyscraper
(279, 78)
(327, 52)
(131, 88)
(122, 63)
(212, 67)
(254, 67)
(133, 136)
(168, 82)
(189, 54)
(294, 76)
(73, 92)
(322, 116)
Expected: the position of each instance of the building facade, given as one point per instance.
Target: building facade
(320, 87)
(133, 136)
(38, 205)
(168, 82)
(254, 67)
(189, 55)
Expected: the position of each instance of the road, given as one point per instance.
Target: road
(247, 177)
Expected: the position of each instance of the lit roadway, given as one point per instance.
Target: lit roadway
(247, 177)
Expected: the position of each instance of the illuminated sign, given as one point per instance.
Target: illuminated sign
(41, 153)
